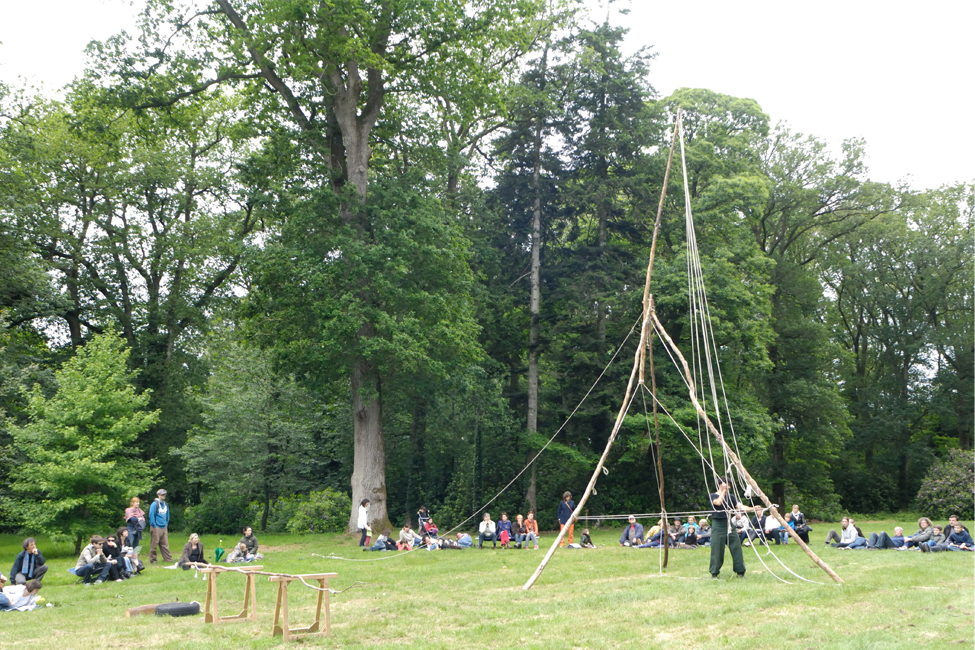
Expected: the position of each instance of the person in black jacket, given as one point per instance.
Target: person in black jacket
(29, 564)
(113, 551)
(802, 528)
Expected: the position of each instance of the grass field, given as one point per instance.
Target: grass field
(609, 597)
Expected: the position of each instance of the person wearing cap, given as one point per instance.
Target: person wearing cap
(159, 528)
(92, 561)
(632, 533)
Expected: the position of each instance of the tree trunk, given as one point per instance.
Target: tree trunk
(536, 296)
(267, 510)
(417, 461)
(369, 464)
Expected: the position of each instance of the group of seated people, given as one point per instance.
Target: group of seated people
(108, 558)
(689, 534)
(111, 558)
(763, 528)
(929, 538)
(520, 533)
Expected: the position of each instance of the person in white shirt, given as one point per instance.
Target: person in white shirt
(363, 522)
(487, 532)
(18, 596)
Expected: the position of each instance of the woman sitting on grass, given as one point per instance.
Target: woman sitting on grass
(922, 535)
(113, 551)
(531, 525)
(192, 554)
(504, 530)
(23, 597)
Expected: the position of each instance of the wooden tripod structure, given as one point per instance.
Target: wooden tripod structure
(649, 321)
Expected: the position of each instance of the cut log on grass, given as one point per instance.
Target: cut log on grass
(141, 610)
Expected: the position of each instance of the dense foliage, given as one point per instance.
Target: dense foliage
(384, 250)
(949, 487)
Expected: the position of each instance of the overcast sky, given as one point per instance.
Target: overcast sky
(898, 74)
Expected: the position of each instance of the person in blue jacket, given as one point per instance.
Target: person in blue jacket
(632, 533)
(159, 528)
(566, 507)
(960, 539)
(29, 564)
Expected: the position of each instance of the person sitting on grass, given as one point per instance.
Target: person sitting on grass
(960, 539)
(193, 554)
(380, 544)
(129, 557)
(519, 531)
(504, 530)
(656, 540)
(92, 561)
(586, 539)
(773, 529)
(690, 538)
(239, 554)
(632, 533)
(464, 540)
(113, 551)
(801, 527)
(923, 534)
(703, 532)
(531, 524)
(937, 542)
(431, 529)
(743, 527)
(487, 532)
(14, 597)
(675, 532)
(952, 520)
(250, 541)
(783, 533)
(407, 538)
(758, 522)
(848, 536)
(29, 564)
(880, 541)
(430, 543)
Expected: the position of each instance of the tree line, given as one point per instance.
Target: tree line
(387, 247)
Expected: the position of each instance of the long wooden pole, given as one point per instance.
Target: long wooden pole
(649, 349)
(638, 358)
(733, 456)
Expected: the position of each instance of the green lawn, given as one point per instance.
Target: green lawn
(609, 597)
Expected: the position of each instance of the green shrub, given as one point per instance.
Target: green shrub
(282, 510)
(321, 512)
(948, 487)
(218, 512)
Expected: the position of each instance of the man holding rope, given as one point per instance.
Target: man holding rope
(724, 503)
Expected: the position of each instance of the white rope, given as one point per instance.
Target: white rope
(523, 470)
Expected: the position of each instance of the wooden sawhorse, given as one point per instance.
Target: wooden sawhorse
(250, 593)
(281, 606)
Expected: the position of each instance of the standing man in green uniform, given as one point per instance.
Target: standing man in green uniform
(724, 503)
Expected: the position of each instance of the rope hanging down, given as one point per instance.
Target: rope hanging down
(704, 355)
